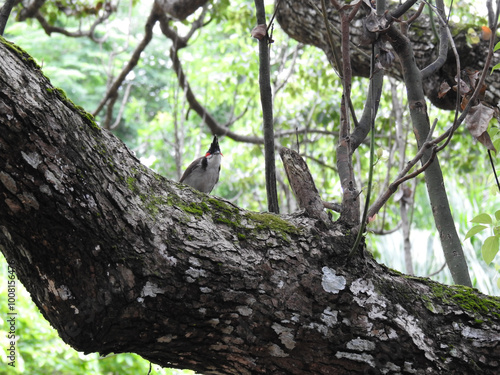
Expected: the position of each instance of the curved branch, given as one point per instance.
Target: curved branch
(209, 120)
(31, 10)
(49, 29)
(443, 43)
(134, 59)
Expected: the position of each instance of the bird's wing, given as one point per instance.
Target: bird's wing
(193, 166)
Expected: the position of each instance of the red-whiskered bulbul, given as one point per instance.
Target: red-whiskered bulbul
(203, 173)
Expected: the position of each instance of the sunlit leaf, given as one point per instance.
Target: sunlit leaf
(490, 248)
(474, 230)
(497, 47)
(497, 215)
(482, 219)
(497, 66)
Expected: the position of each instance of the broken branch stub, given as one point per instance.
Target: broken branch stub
(302, 185)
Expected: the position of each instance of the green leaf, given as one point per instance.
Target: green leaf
(490, 248)
(497, 66)
(497, 215)
(497, 47)
(482, 219)
(474, 230)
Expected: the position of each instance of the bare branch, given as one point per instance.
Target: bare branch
(31, 10)
(443, 42)
(134, 59)
(126, 95)
(403, 174)
(49, 29)
(214, 126)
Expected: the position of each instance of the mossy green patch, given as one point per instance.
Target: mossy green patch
(25, 56)
(151, 202)
(272, 222)
(468, 299)
(86, 117)
(195, 208)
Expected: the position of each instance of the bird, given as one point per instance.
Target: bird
(203, 173)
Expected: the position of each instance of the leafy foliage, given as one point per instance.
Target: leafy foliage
(491, 244)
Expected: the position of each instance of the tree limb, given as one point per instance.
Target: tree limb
(134, 59)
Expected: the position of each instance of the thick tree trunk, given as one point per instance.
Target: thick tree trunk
(304, 23)
(119, 259)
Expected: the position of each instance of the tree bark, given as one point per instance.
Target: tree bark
(304, 23)
(120, 259)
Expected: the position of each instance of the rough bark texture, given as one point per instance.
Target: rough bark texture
(119, 259)
(303, 186)
(304, 23)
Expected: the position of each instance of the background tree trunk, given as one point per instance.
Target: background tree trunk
(120, 259)
(302, 21)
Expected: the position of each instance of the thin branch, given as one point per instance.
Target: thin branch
(372, 158)
(402, 9)
(403, 174)
(438, 271)
(494, 169)
(126, 95)
(278, 86)
(443, 43)
(208, 119)
(267, 112)
(337, 207)
(337, 62)
(134, 59)
(318, 161)
(49, 29)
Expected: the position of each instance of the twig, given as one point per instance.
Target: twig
(134, 59)
(403, 174)
(438, 271)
